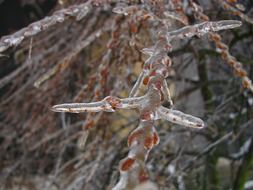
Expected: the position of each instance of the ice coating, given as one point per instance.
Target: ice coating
(180, 118)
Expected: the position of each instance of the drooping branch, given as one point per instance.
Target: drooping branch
(76, 11)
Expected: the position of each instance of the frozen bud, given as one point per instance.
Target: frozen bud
(126, 164)
(114, 102)
(155, 138)
(148, 142)
(134, 136)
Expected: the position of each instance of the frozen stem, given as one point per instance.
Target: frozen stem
(180, 118)
(108, 104)
(202, 28)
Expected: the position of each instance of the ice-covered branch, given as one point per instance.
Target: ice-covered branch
(180, 118)
(108, 104)
(77, 11)
(202, 28)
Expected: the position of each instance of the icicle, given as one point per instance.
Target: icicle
(83, 107)
(180, 118)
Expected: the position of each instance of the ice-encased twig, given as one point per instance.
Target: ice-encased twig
(83, 107)
(77, 11)
(202, 28)
(108, 104)
(180, 118)
(135, 90)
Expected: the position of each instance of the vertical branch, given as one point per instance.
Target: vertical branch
(203, 77)
(244, 169)
(211, 171)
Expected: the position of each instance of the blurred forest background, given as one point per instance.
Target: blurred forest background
(68, 62)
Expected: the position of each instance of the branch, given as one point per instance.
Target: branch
(180, 118)
(202, 28)
(77, 11)
(108, 104)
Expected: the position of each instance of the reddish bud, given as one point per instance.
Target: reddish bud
(155, 138)
(126, 164)
(113, 101)
(245, 83)
(240, 72)
(145, 80)
(224, 55)
(221, 46)
(148, 143)
(134, 136)
(133, 28)
(146, 115)
(231, 62)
